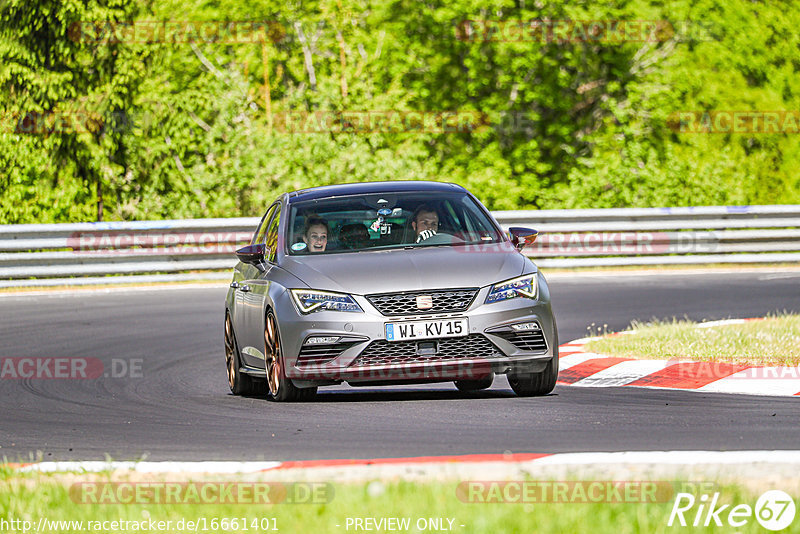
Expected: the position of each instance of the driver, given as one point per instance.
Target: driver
(315, 234)
(424, 222)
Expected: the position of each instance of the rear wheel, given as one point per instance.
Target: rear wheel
(240, 383)
(281, 388)
(535, 384)
(475, 385)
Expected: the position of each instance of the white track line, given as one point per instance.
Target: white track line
(560, 459)
(152, 467)
(671, 457)
(623, 373)
(776, 381)
(724, 322)
(579, 342)
(565, 362)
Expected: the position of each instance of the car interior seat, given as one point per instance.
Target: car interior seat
(395, 236)
(354, 236)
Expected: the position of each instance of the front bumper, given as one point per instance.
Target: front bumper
(363, 356)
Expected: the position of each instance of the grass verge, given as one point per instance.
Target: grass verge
(434, 506)
(772, 341)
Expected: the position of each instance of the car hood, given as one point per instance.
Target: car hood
(366, 272)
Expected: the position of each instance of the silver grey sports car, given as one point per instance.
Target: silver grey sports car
(386, 283)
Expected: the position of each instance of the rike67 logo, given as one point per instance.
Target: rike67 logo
(774, 510)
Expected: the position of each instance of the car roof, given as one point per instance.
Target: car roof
(362, 188)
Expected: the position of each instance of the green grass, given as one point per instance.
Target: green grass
(32, 497)
(773, 341)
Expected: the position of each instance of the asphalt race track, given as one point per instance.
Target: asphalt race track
(180, 407)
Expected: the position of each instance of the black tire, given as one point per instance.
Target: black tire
(279, 387)
(535, 384)
(240, 383)
(475, 385)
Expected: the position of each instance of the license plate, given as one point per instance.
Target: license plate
(427, 329)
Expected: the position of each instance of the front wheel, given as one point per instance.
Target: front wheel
(281, 388)
(535, 384)
(240, 383)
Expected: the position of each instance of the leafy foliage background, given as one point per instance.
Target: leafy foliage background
(183, 130)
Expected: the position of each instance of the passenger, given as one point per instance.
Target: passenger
(315, 234)
(424, 222)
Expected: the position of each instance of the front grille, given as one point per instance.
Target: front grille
(444, 301)
(384, 352)
(530, 340)
(317, 354)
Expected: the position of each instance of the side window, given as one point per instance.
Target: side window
(258, 237)
(272, 235)
(477, 226)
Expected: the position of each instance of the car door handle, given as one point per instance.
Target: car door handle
(234, 285)
(244, 289)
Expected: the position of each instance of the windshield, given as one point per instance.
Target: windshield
(386, 221)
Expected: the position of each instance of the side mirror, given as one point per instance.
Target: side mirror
(252, 254)
(520, 237)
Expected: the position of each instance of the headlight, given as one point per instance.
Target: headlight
(523, 286)
(311, 300)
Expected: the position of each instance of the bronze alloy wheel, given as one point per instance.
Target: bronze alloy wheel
(273, 355)
(240, 383)
(230, 353)
(281, 388)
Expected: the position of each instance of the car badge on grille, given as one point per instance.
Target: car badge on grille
(424, 302)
